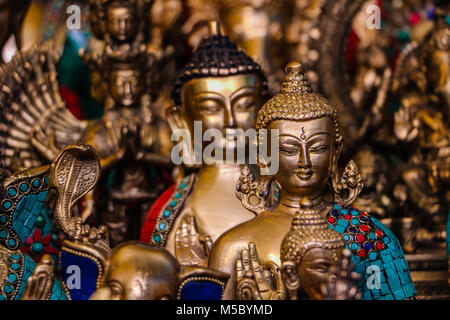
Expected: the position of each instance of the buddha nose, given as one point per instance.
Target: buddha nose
(229, 121)
(127, 88)
(122, 25)
(304, 159)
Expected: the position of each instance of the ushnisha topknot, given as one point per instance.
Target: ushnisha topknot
(296, 101)
(309, 230)
(217, 56)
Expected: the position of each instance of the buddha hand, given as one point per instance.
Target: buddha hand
(191, 247)
(406, 127)
(342, 282)
(255, 282)
(40, 283)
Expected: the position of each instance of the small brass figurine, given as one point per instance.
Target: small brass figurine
(309, 253)
(310, 143)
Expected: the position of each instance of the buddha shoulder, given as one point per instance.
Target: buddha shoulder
(266, 228)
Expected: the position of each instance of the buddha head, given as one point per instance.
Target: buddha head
(126, 83)
(221, 86)
(309, 137)
(308, 253)
(96, 18)
(138, 271)
(122, 20)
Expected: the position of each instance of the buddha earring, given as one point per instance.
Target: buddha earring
(253, 194)
(348, 186)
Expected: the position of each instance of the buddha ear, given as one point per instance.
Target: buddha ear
(291, 279)
(175, 118)
(338, 148)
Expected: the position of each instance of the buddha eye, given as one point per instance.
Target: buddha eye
(319, 149)
(288, 150)
(245, 103)
(209, 106)
(116, 288)
(322, 266)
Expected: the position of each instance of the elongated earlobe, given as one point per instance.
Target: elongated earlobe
(175, 118)
(290, 277)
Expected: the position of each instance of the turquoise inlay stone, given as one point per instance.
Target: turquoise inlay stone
(157, 238)
(3, 219)
(166, 213)
(40, 221)
(36, 183)
(173, 203)
(37, 248)
(8, 289)
(162, 226)
(43, 196)
(372, 236)
(3, 234)
(331, 227)
(15, 257)
(340, 228)
(346, 237)
(12, 243)
(277, 195)
(337, 207)
(12, 277)
(2, 297)
(24, 187)
(7, 205)
(355, 222)
(15, 266)
(54, 237)
(373, 255)
(354, 246)
(46, 180)
(344, 211)
(12, 192)
(354, 212)
(183, 186)
(178, 195)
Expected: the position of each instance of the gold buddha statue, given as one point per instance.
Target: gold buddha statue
(310, 143)
(132, 273)
(315, 264)
(308, 253)
(222, 88)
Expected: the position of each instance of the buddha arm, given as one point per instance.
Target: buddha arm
(223, 257)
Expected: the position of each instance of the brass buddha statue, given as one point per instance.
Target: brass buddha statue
(221, 88)
(314, 261)
(139, 272)
(309, 145)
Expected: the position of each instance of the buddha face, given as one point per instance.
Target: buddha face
(313, 271)
(126, 86)
(306, 155)
(223, 103)
(121, 23)
(139, 272)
